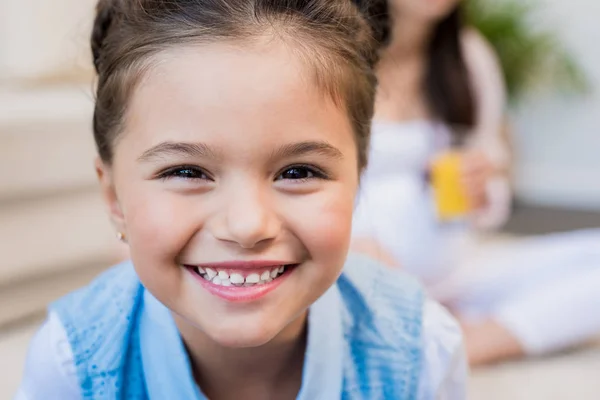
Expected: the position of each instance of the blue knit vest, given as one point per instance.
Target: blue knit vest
(381, 325)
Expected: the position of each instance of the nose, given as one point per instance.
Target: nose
(248, 218)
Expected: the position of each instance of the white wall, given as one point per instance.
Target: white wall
(558, 137)
(42, 39)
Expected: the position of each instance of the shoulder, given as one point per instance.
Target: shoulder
(482, 61)
(97, 321)
(49, 369)
(444, 370)
(400, 345)
(382, 308)
(117, 279)
(118, 287)
(389, 293)
(78, 319)
(476, 48)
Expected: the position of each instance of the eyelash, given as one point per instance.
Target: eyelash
(175, 172)
(180, 173)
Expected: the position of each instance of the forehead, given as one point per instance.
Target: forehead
(218, 91)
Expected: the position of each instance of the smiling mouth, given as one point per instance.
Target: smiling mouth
(240, 278)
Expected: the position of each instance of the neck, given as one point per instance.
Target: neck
(410, 36)
(258, 372)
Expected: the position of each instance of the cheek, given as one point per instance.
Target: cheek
(159, 224)
(325, 226)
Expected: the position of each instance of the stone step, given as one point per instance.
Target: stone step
(29, 298)
(46, 143)
(50, 235)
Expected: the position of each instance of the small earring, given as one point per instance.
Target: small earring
(121, 237)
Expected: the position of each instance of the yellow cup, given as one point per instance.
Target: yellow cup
(450, 195)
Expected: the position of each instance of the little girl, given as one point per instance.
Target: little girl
(231, 136)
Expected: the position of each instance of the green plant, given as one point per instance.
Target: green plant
(529, 57)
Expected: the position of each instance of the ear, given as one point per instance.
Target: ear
(109, 195)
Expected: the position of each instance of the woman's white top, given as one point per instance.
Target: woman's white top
(395, 205)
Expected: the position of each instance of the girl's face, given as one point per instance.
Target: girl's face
(423, 10)
(233, 166)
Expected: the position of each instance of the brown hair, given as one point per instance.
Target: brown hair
(332, 36)
(447, 85)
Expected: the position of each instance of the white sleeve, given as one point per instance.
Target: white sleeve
(49, 369)
(444, 370)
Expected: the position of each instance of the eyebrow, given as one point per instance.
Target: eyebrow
(197, 150)
(165, 149)
(304, 148)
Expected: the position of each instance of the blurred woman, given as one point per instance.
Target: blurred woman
(441, 89)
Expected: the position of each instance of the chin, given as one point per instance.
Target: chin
(243, 335)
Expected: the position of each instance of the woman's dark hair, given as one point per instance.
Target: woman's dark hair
(447, 85)
(333, 38)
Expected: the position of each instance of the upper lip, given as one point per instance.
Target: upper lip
(256, 264)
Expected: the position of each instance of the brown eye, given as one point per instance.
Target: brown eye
(189, 173)
(297, 173)
(300, 173)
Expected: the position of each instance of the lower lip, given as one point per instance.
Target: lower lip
(242, 294)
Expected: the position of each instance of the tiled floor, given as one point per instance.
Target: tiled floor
(569, 376)
(565, 377)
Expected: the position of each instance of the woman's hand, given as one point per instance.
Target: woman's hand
(476, 170)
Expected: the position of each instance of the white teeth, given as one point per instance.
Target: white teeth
(223, 275)
(211, 273)
(265, 276)
(222, 278)
(253, 278)
(236, 279)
